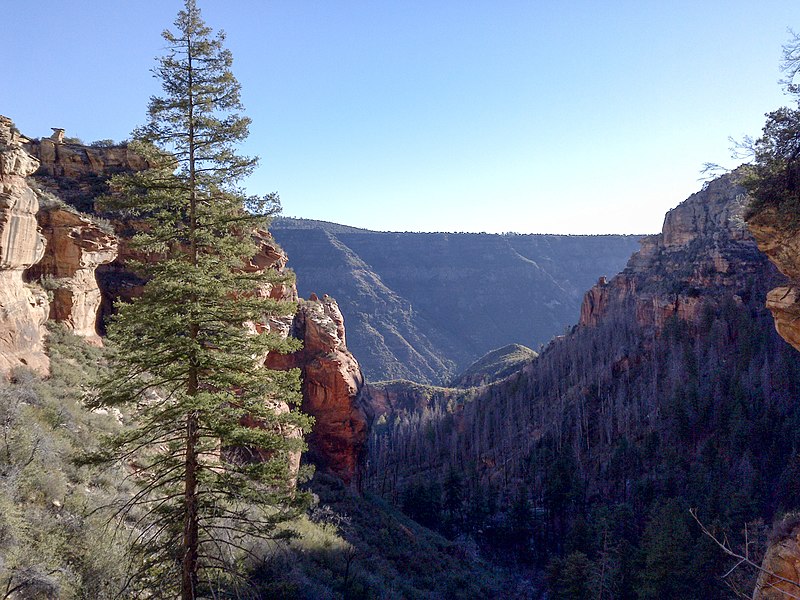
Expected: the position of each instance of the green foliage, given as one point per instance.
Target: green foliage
(53, 542)
(360, 547)
(773, 178)
(495, 366)
(212, 437)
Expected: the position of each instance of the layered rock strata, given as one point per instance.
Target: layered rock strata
(76, 246)
(23, 308)
(79, 173)
(703, 250)
(332, 379)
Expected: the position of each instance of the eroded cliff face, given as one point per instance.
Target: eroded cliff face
(703, 250)
(23, 308)
(76, 246)
(79, 173)
(332, 382)
(781, 243)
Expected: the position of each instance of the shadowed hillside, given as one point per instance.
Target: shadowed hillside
(424, 306)
(674, 392)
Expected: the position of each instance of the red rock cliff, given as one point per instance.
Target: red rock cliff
(332, 383)
(23, 308)
(704, 248)
(332, 378)
(76, 246)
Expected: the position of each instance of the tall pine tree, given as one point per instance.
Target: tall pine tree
(188, 352)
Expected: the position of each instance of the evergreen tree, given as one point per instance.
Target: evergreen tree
(773, 179)
(213, 441)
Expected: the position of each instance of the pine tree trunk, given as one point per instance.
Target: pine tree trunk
(190, 523)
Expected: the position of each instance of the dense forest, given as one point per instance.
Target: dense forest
(589, 458)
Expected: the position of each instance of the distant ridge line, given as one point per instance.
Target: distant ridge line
(331, 227)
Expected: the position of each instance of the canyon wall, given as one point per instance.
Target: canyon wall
(81, 263)
(779, 239)
(703, 251)
(76, 246)
(23, 307)
(331, 383)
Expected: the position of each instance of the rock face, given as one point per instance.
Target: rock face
(78, 173)
(332, 378)
(781, 243)
(781, 565)
(76, 246)
(270, 256)
(703, 250)
(23, 308)
(332, 383)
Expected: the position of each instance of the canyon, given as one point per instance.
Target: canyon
(673, 391)
(672, 387)
(52, 254)
(424, 306)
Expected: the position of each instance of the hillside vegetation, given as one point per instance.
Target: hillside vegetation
(60, 538)
(677, 393)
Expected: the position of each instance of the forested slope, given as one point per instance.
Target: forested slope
(675, 392)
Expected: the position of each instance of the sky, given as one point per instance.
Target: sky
(537, 116)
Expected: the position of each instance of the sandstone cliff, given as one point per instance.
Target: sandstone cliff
(84, 263)
(332, 382)
(79, 173)
(76, 246)
(703, 250)
(780, 241)
(23, 308)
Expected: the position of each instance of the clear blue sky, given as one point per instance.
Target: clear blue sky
(435, 115)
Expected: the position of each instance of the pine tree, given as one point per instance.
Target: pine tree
(187, 352)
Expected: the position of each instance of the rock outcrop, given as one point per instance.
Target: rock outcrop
(79, 173)
(780, 578)
(76, 246)
(332, 378)
(269, 256)
(703, 250)
(780, 241)
(332, 383)
(23, 308)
